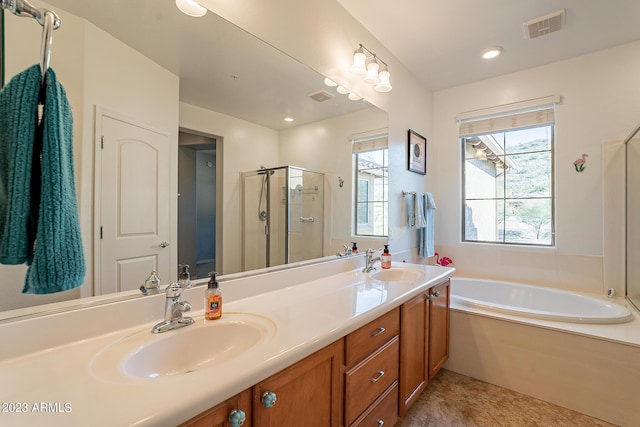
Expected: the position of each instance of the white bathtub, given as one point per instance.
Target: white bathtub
(536, 302)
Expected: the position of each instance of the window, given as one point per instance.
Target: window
(371, 177)
(508, 178)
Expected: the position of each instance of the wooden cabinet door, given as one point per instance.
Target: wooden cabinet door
(218, 416)
(414, 341)
(439, 328)
(308, 393)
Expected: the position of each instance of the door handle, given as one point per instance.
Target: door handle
(164, 244)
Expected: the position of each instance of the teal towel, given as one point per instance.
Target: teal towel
(18, 121)
(58, 259)
(39, 222)
(427, 235)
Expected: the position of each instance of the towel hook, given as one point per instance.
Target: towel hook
(51, 22)
(47, 18)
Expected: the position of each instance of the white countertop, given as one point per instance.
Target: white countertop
(59, 385)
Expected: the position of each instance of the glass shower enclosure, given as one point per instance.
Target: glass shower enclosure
(282, 216)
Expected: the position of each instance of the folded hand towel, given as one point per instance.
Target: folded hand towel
(18, 120)
(427, 234)
(415, 211)
(58, 259)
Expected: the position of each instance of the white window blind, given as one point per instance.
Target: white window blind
(519, 115)
(368, 141)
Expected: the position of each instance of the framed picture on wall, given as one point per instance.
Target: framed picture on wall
(417, 152)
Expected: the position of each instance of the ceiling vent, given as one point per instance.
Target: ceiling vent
(544, 24)
(320, 96)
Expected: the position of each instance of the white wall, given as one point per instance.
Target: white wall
(599, 102)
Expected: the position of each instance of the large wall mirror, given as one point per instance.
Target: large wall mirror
(217, 97)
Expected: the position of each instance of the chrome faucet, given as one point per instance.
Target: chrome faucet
(173, 309)
(369, 260)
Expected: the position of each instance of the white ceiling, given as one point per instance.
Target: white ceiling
(437, 40)
(440, 41)
(221, 67)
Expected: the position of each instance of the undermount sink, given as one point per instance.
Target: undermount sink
(199, 346)
(399, 274)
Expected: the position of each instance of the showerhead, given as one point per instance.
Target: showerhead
(264, 170)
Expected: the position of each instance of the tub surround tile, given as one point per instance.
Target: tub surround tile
(452, 399)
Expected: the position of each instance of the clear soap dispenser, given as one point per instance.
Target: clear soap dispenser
(184, 277)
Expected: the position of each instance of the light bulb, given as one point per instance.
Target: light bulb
(385, 83)
(341, 90)
(352, 96)
(372, 72)
(329, 82)
(358, 67)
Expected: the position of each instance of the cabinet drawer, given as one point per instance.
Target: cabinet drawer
(363, 341)
(369, 379)
(384, 412)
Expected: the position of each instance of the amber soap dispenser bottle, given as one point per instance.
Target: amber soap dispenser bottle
(385, 258)
(212, 299)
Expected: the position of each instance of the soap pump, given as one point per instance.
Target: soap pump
(184, 278)
(385, 258)
(354, 248)
(212, 299)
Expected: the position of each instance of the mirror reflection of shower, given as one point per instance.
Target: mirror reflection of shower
(283, 216)
(632, 205)
(262, 214)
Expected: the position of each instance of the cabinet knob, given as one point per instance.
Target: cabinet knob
(269, 399)
(378, 332)
(436, 294)
(237, 418)
(376, 379)
(380, 423)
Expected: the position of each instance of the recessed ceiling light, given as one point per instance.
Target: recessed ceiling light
(288, 119)
(491, 52)
(191, 8)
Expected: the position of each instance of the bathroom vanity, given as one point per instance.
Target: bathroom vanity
(375, 373)
(344, 348)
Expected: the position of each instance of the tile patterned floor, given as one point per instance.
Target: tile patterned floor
(454, 400)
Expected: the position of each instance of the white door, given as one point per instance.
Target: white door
(134, 207)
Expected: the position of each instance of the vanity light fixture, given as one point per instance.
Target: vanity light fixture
(341, 90)
(352, 96)
(191, 8)
(371, 68)
(491, 52)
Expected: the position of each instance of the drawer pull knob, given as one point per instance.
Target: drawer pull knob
(237, 418)
(380, 375)
(378, 332)
(269, 399)
(380, 423)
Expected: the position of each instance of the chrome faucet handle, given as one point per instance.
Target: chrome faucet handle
(174, 290)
